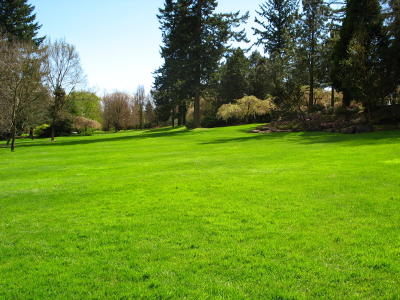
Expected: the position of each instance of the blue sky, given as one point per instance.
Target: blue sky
(118, 41)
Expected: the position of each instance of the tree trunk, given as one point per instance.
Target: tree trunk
(179, 115)
(184, 114)
(369, 112)
(332, 97)
(311, 95)
(13, 133)
(141, 116)
(31, 133)
(173, 117)
(198, 63)
(346, 98)
(14, 124)
(196, 116)
(52, 137)
(311, 69)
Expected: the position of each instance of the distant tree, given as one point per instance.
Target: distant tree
(64, 73)
(85, 104)
(260, 82)
(149, 114)
(139, 102)
(245, 108)
(85, 125)
(234, 77)
(22, 93)
(17, 21)
(116, 111)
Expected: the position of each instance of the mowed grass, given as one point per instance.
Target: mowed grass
(201, 214)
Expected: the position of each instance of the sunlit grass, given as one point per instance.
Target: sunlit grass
(208, 213)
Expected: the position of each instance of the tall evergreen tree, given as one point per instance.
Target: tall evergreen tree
(335, 10)
(18, 21)
(195, 39)
(394, 35)
(312, 32)
(210, 34)
(234, 79)
(170, 87)
(259, 76)
(359, 55)
(276, 32)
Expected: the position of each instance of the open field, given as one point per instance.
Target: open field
(209, 213)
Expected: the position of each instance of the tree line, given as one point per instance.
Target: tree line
(310, 48)
(313, 56)
(40, 81)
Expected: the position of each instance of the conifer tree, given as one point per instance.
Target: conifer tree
(195, 39)
(234, 79)
(360, 64)
(394, 36)
(313, 27)
(259, 76)
(277, 33)
(18, 21)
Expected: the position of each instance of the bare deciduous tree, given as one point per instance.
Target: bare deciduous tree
(21, 88)
(116, 111)
(140, 98)
(64, 73)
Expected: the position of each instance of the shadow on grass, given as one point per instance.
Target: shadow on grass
(154, 133)
(383, 137)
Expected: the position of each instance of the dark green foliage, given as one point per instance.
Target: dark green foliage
(260, 81)
(149, 115)
(312, 31)
(277, 34)
(234, 77)
(394, 36)
(169, 89)
(58, 113)
(195, 38)
(61, 127)
(18, 21)
(360, 67)
(276, 19)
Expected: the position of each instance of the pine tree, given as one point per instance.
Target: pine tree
(149, 114)
(312, 32)
(195, 39)
(277, 32)
(359, 55)
(277, 19)
(17, 21)
(234, 79)
(170, 86)
(394, 35)
(335, 14)
(259, 76)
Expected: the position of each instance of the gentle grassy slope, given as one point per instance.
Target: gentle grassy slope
(211, 213)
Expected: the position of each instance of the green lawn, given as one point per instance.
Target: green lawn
(202, 214)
